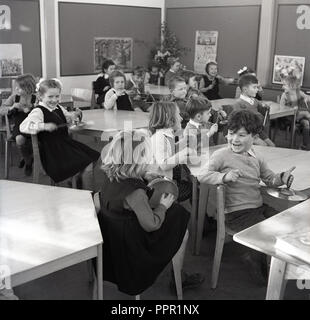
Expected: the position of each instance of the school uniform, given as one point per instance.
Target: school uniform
(212, 94)
(138, 242)
(99, 87)
(61, 156)
(121, 103)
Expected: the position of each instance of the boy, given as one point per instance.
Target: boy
(249, 86)
(199, 129)
(240, 168)
(174, 70)
(178, 91)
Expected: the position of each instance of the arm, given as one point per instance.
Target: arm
(7, 105)
(225, 80)
(150, 220)
(110, 100)
(72, 116)
(268, 176)
(34, 123)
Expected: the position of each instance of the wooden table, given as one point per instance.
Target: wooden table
(109, 121)
(44, 229)
(278, 160)
(262, 237)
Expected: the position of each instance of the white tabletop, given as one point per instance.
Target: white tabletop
(42, 224)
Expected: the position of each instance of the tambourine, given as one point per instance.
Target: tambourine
(161, 186)
(287, 194)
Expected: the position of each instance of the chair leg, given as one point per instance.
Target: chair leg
(6, 159)
(177, 266)
(220, 240)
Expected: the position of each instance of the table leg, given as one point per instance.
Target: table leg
(99, 272)
(276, 281)
(203, 197)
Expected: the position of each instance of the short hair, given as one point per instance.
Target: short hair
(251, 121)
(173, 82)
(46, 84)
(197, 105)
(114, 75)
(162, 115)
(106, 64)
(27, 82)
(139, 71)
(128, 154)
(247, 80)
(209, 64)
(172, 60)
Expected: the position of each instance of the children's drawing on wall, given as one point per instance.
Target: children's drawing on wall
(118, 50)
(205, 49)
(284, 65)
(5, 17)
(11, 60)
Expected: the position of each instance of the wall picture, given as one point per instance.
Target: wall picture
(11, 60)
(285, 63)
(5, 17)
(117, 49)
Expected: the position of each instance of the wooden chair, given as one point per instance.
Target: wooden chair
(176, 263)
(8, 144)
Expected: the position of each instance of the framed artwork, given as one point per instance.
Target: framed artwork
(283, 64)
(5, 17)
(11, 60)
(117, 49)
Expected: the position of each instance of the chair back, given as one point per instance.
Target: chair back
(37, 165)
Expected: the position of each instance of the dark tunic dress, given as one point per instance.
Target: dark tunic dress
(123, 103)
(99, 86)
(61, 156)
(212, 94)
(17, 117)
(133, 258)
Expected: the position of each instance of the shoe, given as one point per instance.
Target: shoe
(21, 164)
(257, 269)
(28, 169)
(189, 281)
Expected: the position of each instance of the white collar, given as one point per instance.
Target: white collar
(247, 99)
(46, 107)
(194, 123)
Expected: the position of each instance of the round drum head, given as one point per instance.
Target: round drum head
(287, 194)
(160, 186)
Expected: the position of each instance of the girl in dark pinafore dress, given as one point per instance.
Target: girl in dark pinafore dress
(61, 156)
(138, 241)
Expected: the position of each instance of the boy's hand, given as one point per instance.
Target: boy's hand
(167, 200)
(232, 175)
(50, 126)
(223, 114)
(213, 129)
(287, 177)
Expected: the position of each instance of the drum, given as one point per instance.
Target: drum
(287, 194)
(161, 186)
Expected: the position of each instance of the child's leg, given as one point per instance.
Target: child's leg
(24, 148)
(305, 132)
(87, 176)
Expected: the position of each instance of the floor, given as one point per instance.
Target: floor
(234, 280)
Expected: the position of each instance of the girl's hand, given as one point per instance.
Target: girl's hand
(77, 115)
(213, 129)
(167, 200)
(223, 114)
(17, 106)
(50, 126)
(232, 175)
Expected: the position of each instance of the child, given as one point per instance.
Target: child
(199, 112)
(155, 75)
(249, 88)
(293, 97)
(174, 70)
(209, 84)
(138, 241)
(246, 70)
(17, 107)
(136, 90)
(165, 121)
(61, 156)
(102, 84)
(240, 168)
(178, 91)
(117, 98)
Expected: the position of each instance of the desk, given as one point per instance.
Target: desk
(278, 159)
(112, 121)
(262, 237)
(44, 229)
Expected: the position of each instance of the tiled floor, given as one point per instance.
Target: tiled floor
(234, 280)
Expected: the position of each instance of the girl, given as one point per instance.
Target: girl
(175, 68)
(117, 98)
(17, 107)
(61, 156)
(155, 75)
(138, 241)
(246, 70)
(209, 84)
(102, 84)
(293, 97)
(165, 120)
